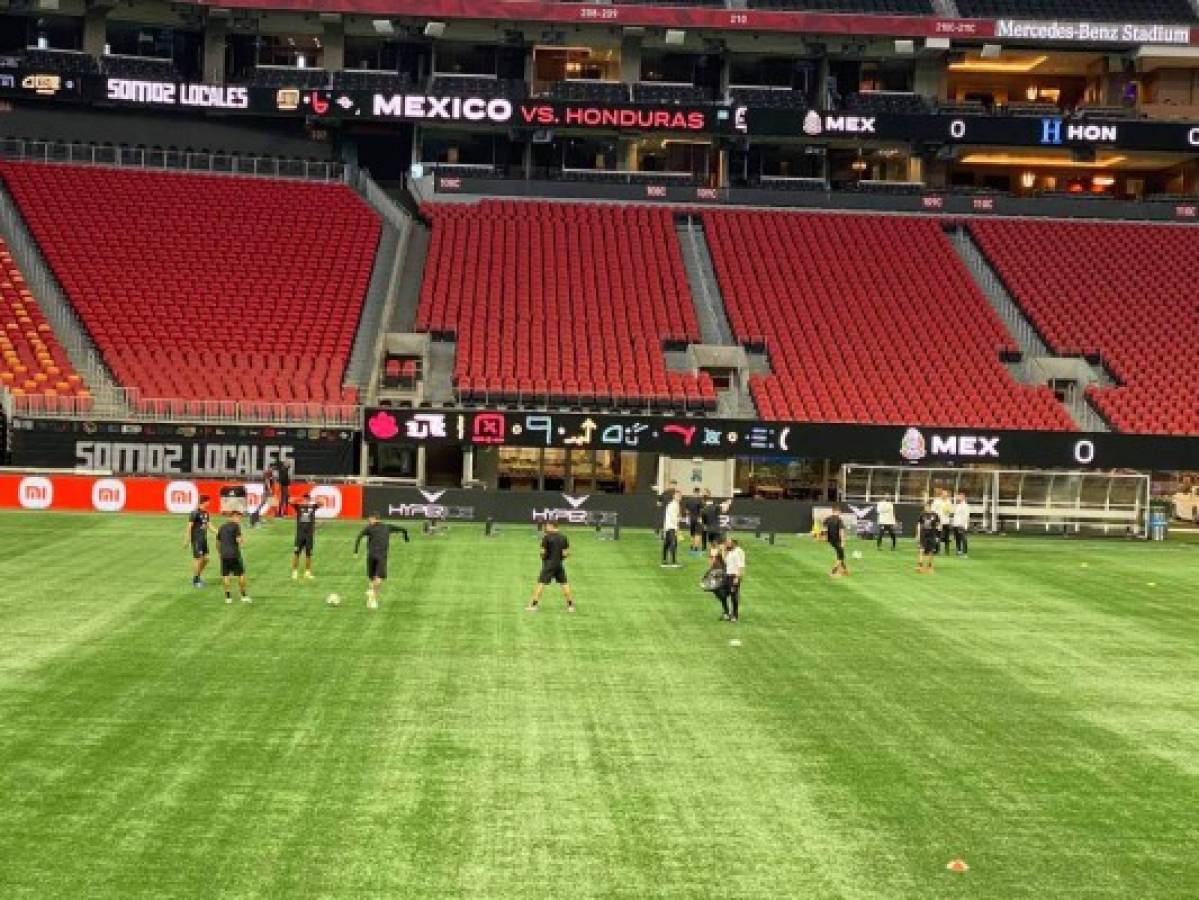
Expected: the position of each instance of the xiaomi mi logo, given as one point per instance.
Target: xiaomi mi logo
(108, 495)
(328, 498)
(35, 492)
(181, 497)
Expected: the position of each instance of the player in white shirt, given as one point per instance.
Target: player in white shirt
(886, 521)
(961, 524)
(670, 530)
(734, 572)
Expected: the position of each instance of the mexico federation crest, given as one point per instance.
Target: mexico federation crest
(912, 447)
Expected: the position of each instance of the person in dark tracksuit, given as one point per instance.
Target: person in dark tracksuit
(928, 529)
(834, 532)
(199, 524)
(555, 547)
(306, 511)
(692, 507)
(378, 545)
(719, 579)
(283, 475)
(229, 541)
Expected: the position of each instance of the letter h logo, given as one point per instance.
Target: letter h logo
(1051, 131)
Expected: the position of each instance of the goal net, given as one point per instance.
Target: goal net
(1042, 501)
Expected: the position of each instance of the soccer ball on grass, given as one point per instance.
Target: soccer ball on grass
(333, 600)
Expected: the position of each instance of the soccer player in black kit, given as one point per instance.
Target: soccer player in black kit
(228, 539)
(196, 537)
(928, 528)
(692, 506)
(283, 470)
(834, 531)
(378, 544)
(554, 550)
(306, 511)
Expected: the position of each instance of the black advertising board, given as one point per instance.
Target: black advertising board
(127, 448)
(38, 84)
(977, 130)
(681, 436)
(18, 81)
(511, 113)
(458, 506)
(182, 95)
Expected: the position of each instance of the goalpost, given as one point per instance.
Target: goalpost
(1043, 501)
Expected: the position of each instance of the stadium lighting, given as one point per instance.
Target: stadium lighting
(1056, 162)
(1015, 65)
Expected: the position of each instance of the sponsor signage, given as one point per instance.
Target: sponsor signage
(197, 450)
(429, 506)
(980, 130)
(84, 493)
(501, 111)
(1081, 31)
(172, 94)
(585, 510)
(693, 437)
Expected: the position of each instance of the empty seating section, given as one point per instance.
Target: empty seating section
(590, 91)
(1093, 10)
(652, 92)
(203, 287)
(868, 319)
(31, 360)
(1125, 292)
(775, 98)
(561, 301)
(888, 103)
(476, 86)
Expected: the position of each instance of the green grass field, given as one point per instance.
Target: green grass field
(1033, 710)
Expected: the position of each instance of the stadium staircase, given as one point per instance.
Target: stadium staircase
(719, 353)
(870, 319)
(1069, 376)
(1120, 294)
(438, 351)
(386, 329)
(106, 398)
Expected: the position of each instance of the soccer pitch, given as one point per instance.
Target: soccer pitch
(1033, 710)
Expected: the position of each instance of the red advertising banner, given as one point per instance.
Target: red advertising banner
(89, 493)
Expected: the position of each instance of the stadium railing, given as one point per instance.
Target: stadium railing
(170, 159)
(134, 408)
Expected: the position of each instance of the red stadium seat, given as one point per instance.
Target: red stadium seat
(204, 287)
(868, 319)
(1124, 293)
(565, 301)
(31, 359)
